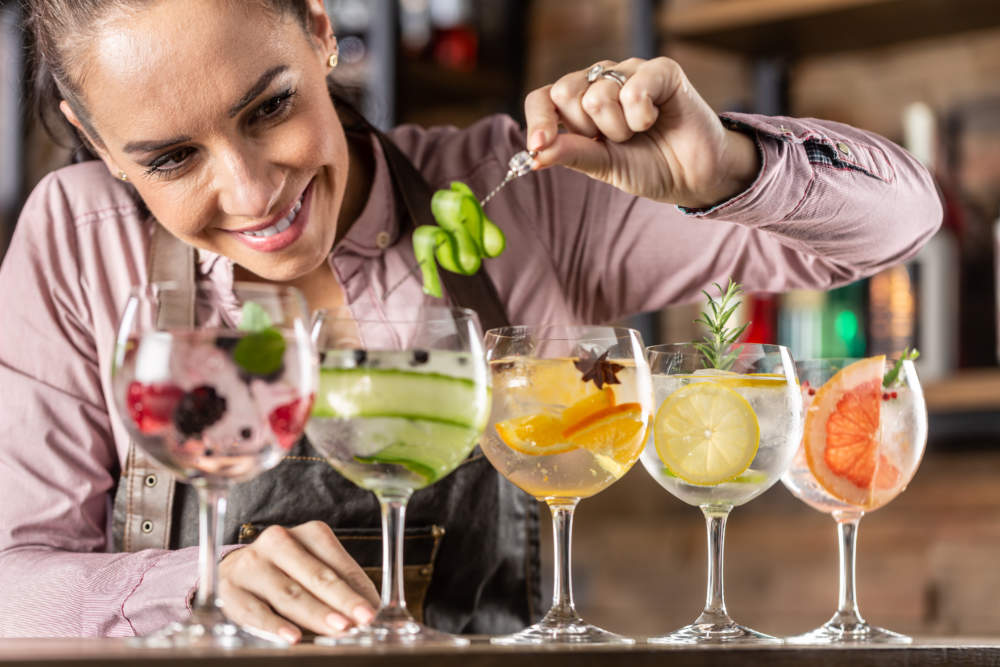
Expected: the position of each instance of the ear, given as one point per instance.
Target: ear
(96, 146)
(321, 29)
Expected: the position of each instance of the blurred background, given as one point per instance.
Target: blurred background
(925, 73)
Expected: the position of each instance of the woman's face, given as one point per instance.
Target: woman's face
(218, 114)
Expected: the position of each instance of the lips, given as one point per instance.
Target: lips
(280, 234)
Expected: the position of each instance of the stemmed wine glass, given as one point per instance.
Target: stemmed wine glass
(721, 437)
(216, 404)
(571, 408)
(865, 432)
(403, 398)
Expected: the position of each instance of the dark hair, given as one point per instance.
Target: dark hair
(58, 28)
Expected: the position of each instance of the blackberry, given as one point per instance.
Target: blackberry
(360, 356)
(226, 343)
(420, 357)
(198, 409)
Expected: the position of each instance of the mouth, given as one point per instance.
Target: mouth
(279, 234)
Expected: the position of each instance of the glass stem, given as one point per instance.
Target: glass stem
(847, 539)
(715, 600)
(562, 540)
(211, 515)
(393, 526)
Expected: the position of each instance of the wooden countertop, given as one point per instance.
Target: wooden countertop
(79, 653)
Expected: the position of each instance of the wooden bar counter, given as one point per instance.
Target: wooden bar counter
(88, 653)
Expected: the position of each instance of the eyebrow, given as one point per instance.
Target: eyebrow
(262, 83)
(259, 87)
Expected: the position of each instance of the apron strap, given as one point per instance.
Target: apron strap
(144, 501)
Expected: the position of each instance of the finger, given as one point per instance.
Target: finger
(567, 95)
(580, 153)
(602, 102)
(325, 547)
(652, 85)
(541, 118)
(244, 608)
(291, 599)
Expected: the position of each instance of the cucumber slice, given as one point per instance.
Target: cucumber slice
(348, 393)
(429, 449)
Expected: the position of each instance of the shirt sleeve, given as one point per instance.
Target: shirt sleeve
(831, 204)
(58, 460)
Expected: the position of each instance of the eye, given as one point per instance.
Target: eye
(168, 163)
(274, 107)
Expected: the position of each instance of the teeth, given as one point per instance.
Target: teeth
(279, 226)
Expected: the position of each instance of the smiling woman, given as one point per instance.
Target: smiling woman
(223, 155)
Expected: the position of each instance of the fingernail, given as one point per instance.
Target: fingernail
(363, 614)
(336, 621)
(537, 140)
(289, 634)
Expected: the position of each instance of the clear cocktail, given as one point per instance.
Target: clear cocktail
(864, 435)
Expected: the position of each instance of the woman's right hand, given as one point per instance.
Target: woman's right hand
(295, 578)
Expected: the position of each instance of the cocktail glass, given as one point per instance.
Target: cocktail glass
(861, 446)
(403, 398)
(721, 438)
(216, 404)
(571, 408)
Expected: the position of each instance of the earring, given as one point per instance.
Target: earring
(333, 59)
(122, 176)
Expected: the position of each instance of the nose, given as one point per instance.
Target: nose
(249, 184)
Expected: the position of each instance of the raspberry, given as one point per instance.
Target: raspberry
(151, 405)
(198, 409)
(288, 420)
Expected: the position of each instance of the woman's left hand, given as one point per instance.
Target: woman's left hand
(654, 136)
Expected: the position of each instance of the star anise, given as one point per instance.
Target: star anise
(598, 370)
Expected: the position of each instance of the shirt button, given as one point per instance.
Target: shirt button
(382, 240)
(147, 526)
(844, 148)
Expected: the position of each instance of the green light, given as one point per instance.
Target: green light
(846, 325)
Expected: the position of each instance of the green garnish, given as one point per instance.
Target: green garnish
(262, 351)
(463, 237)
(253, 317)
(892, 375)
(717, 348)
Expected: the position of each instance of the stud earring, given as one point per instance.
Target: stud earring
(333, 59)
(122, 176)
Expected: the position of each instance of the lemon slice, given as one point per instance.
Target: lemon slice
(706, 433)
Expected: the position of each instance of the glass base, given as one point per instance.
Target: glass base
(393, 629)
(208, 630)
(849, 633)
(562, 630)
(715, 633)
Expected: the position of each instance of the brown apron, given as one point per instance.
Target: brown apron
(471, 549)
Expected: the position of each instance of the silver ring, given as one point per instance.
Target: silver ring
(615, 76)
(598, 72)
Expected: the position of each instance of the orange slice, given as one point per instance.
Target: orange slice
(534, 435)
(841, 435)
(594, 422)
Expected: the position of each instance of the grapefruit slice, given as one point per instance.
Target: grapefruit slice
(841, 436)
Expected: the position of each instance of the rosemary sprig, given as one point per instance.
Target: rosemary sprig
(717, 346)
(892, 375)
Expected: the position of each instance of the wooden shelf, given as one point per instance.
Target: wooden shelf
(972, 390)
(796, 28)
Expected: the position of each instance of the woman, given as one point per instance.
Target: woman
(212, 119)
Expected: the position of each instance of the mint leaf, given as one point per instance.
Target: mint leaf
(254, 317)
(260, 353)
(892, 376)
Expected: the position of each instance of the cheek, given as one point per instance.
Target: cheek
(182, 211)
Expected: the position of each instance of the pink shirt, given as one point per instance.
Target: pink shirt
(831, 204)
